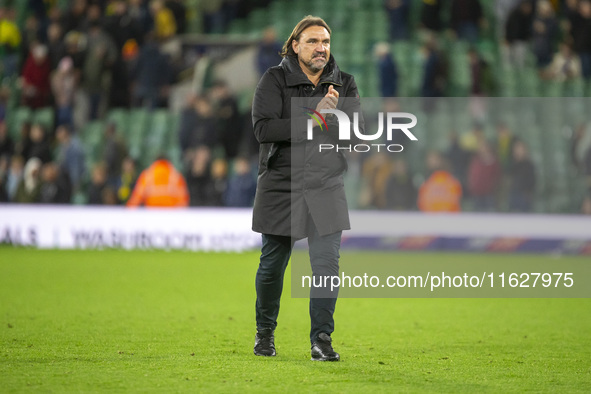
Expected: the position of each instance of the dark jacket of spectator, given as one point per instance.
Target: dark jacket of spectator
(6, 143)
(398, 17)
(518, 27)
(401, 194)
(465, 18)
(544, 32)
(523, 185)
(431, 15)
(388, 76)
(41, 151)
(55, 187)
(581, 33)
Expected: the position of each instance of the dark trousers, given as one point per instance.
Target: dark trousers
(275, 254)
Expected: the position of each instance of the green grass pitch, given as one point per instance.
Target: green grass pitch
(118, 321)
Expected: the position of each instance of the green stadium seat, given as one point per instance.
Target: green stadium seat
(16, 119)
(45, 117)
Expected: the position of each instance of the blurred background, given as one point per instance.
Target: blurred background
(93, 92)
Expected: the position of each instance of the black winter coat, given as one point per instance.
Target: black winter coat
(296, 182)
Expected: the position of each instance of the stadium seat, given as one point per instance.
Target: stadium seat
(45, 117)
(16, 118)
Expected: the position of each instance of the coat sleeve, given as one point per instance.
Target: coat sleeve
(267, 111)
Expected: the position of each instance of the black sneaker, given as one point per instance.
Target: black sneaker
(264, 343)
(322, 349)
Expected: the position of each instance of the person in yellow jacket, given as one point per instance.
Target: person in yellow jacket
(160, 185)
(164, 22)
(10, 41)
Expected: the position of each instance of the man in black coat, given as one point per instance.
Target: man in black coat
(300, 191)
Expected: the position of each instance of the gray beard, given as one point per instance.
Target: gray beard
(314, 68)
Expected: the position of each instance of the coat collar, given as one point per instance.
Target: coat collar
(295, 76)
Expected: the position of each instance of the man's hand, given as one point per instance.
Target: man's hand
(330, 100)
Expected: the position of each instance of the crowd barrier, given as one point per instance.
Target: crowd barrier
(225, 229)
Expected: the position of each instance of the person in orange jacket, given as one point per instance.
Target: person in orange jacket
(160, 185)
(441, 192)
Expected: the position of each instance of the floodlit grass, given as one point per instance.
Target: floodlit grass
(79, 321)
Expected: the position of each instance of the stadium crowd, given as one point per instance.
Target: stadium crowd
(110, 53)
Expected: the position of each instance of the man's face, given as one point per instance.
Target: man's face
(313, 48)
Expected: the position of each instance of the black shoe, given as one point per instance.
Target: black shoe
(264, 343)
(322, 349)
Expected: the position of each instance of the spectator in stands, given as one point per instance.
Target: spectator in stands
(387, 70)
(5, 93)
(39, 144)
(565, 65)
(164, 23)
(518, 34)
(55, 44)
(502, 8)
(35, 76)
(22, 147)
(74, 16)
(431, 15)
(466, 19)
(398, 18)
(197, 125)
(64, 83)
(586, 205)
(434, 70)
(151, 76)
(114, 152)
(268, 51)
(160, 185)
(31, 33)
(484, 175)
(586, 166)
(140, 14)
(249, 146)
(504, 146)
(98, 183)
(179, 11)
(219, 181)
(213, 17)
(581, 32)
(14, 176)
(10, 41)
(400, 193)
(375, 172)
(199, 177)
(121, 26)
(241, 185)
(55, 185)
(578, 147)
(441, 192)
(227, 118)
(28, 190)
(70, 156)
(6, 143)
(100, 58)
(94, 16)
(127, 180)
(458, 159)
(4, 165)
(482, 81)
(523, 180)
(109, 196)
(544, 32)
